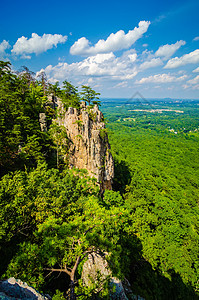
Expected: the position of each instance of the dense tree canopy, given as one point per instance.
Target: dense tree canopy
(157, 172)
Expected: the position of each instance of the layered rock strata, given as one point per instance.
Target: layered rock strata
(88, 142)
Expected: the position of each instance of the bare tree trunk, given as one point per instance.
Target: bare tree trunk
(57, 157)
(72, 290)
(72, 278)
(71, 273)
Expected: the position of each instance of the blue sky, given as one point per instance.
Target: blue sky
(116, 47)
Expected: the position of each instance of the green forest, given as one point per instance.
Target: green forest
(52, 217)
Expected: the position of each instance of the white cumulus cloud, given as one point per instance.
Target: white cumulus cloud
(196, 70)
(190, 58)
(167, 50)
(115, 41)
(154, 62)
(100, 66)
(37, 44)
(133, 57)
(196, 39)
(194, 80)
(3, 46)
(123, 84)
(161, 78)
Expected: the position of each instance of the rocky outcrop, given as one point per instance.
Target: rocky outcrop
(14, 289)
(42, 121)
(95, 264)
(96, 270)
(88, 142)
(52, 103)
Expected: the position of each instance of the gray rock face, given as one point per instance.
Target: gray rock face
(14, 289)
(96, 266)
(92, 267)
(88, 147)
(42, 121)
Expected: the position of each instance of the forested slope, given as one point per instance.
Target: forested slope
(157, 172)
(51, 217)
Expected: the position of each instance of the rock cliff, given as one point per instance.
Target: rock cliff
(88, 142)
(96, 269)
(15, 289)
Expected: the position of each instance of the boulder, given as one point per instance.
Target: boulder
(15, 289)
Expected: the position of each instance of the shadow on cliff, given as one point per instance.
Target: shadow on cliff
(122, 176)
